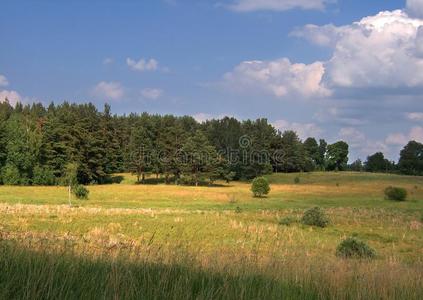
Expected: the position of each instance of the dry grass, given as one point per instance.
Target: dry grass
(199, 227)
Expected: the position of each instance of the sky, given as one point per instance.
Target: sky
(335, 69)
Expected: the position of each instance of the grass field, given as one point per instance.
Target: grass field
(158, 241)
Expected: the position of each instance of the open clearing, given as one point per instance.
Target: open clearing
(221, 238)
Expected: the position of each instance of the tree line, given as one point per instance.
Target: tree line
(38, 143)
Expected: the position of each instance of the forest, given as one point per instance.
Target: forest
(38, 143)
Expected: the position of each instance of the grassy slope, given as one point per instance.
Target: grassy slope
(201, 223)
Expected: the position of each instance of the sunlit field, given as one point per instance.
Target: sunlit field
(164, 241)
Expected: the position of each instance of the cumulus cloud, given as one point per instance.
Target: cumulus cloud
(401, 139)
(304, 130)
(276, 5)
(415, 8)
(142, 64)
(377, 52)
(380, 51)
(109, 90)
(353, 136)
(415, 116)
(280, 78)
(383, 52)
(151, 93)
(12, 96)
(3, 80)
(326, 35)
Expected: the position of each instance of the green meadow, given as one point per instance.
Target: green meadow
(155, 241)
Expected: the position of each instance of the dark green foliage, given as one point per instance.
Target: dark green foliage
(297, 180)
(43, 176)
(396, 193)
(10, 175)
(411, 159)
(238, 210)
(36, 142)
(378, 163)
(312, 154)
(198, 157)
(294, 155)
(80, 192)
(356, 166)
(354, 248)
(315, 217)
(260, 187)
(337, 156)
(288, 221)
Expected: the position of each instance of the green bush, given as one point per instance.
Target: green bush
(80, 191)
(396, 193)
(315, 217)
(287, 221)
(296, 180)
(260, 187)
(43, 176)
(10, 175)
(354, 248)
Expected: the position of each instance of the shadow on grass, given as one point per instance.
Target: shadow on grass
(31, 275)
(172, 181)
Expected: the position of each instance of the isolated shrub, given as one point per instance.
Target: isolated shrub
(396, 193)
(315, 217)
(10, 175)
(260, 187)
(354, 248)
(238, 210)
(80, 191)
(43, 176)
(296, 180)
(287, 221)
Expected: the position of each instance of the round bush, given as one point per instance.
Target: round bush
(260, 187)
(354, 248)
(396, 193)
(80, 191)
(296, 180)
(315, 217)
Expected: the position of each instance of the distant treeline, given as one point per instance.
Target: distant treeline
(37, 144)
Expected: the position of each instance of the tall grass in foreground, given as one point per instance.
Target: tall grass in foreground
(49, 273)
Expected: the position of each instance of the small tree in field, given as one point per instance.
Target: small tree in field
(70, 178)
(260, 187)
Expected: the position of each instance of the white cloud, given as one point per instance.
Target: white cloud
(415, 7)
(108, 61)
(12, 96)
(203, 117)
(326, 35)
(152, 94)
(379, 51)
(142, 64)
(400, 139)
(354, 137)
(276, 5)
(360, 144)
(3, 80)
(304, 130)
(280, 78)
(110, 90)
(415, 116)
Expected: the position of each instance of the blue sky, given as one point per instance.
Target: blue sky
(315, 66)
